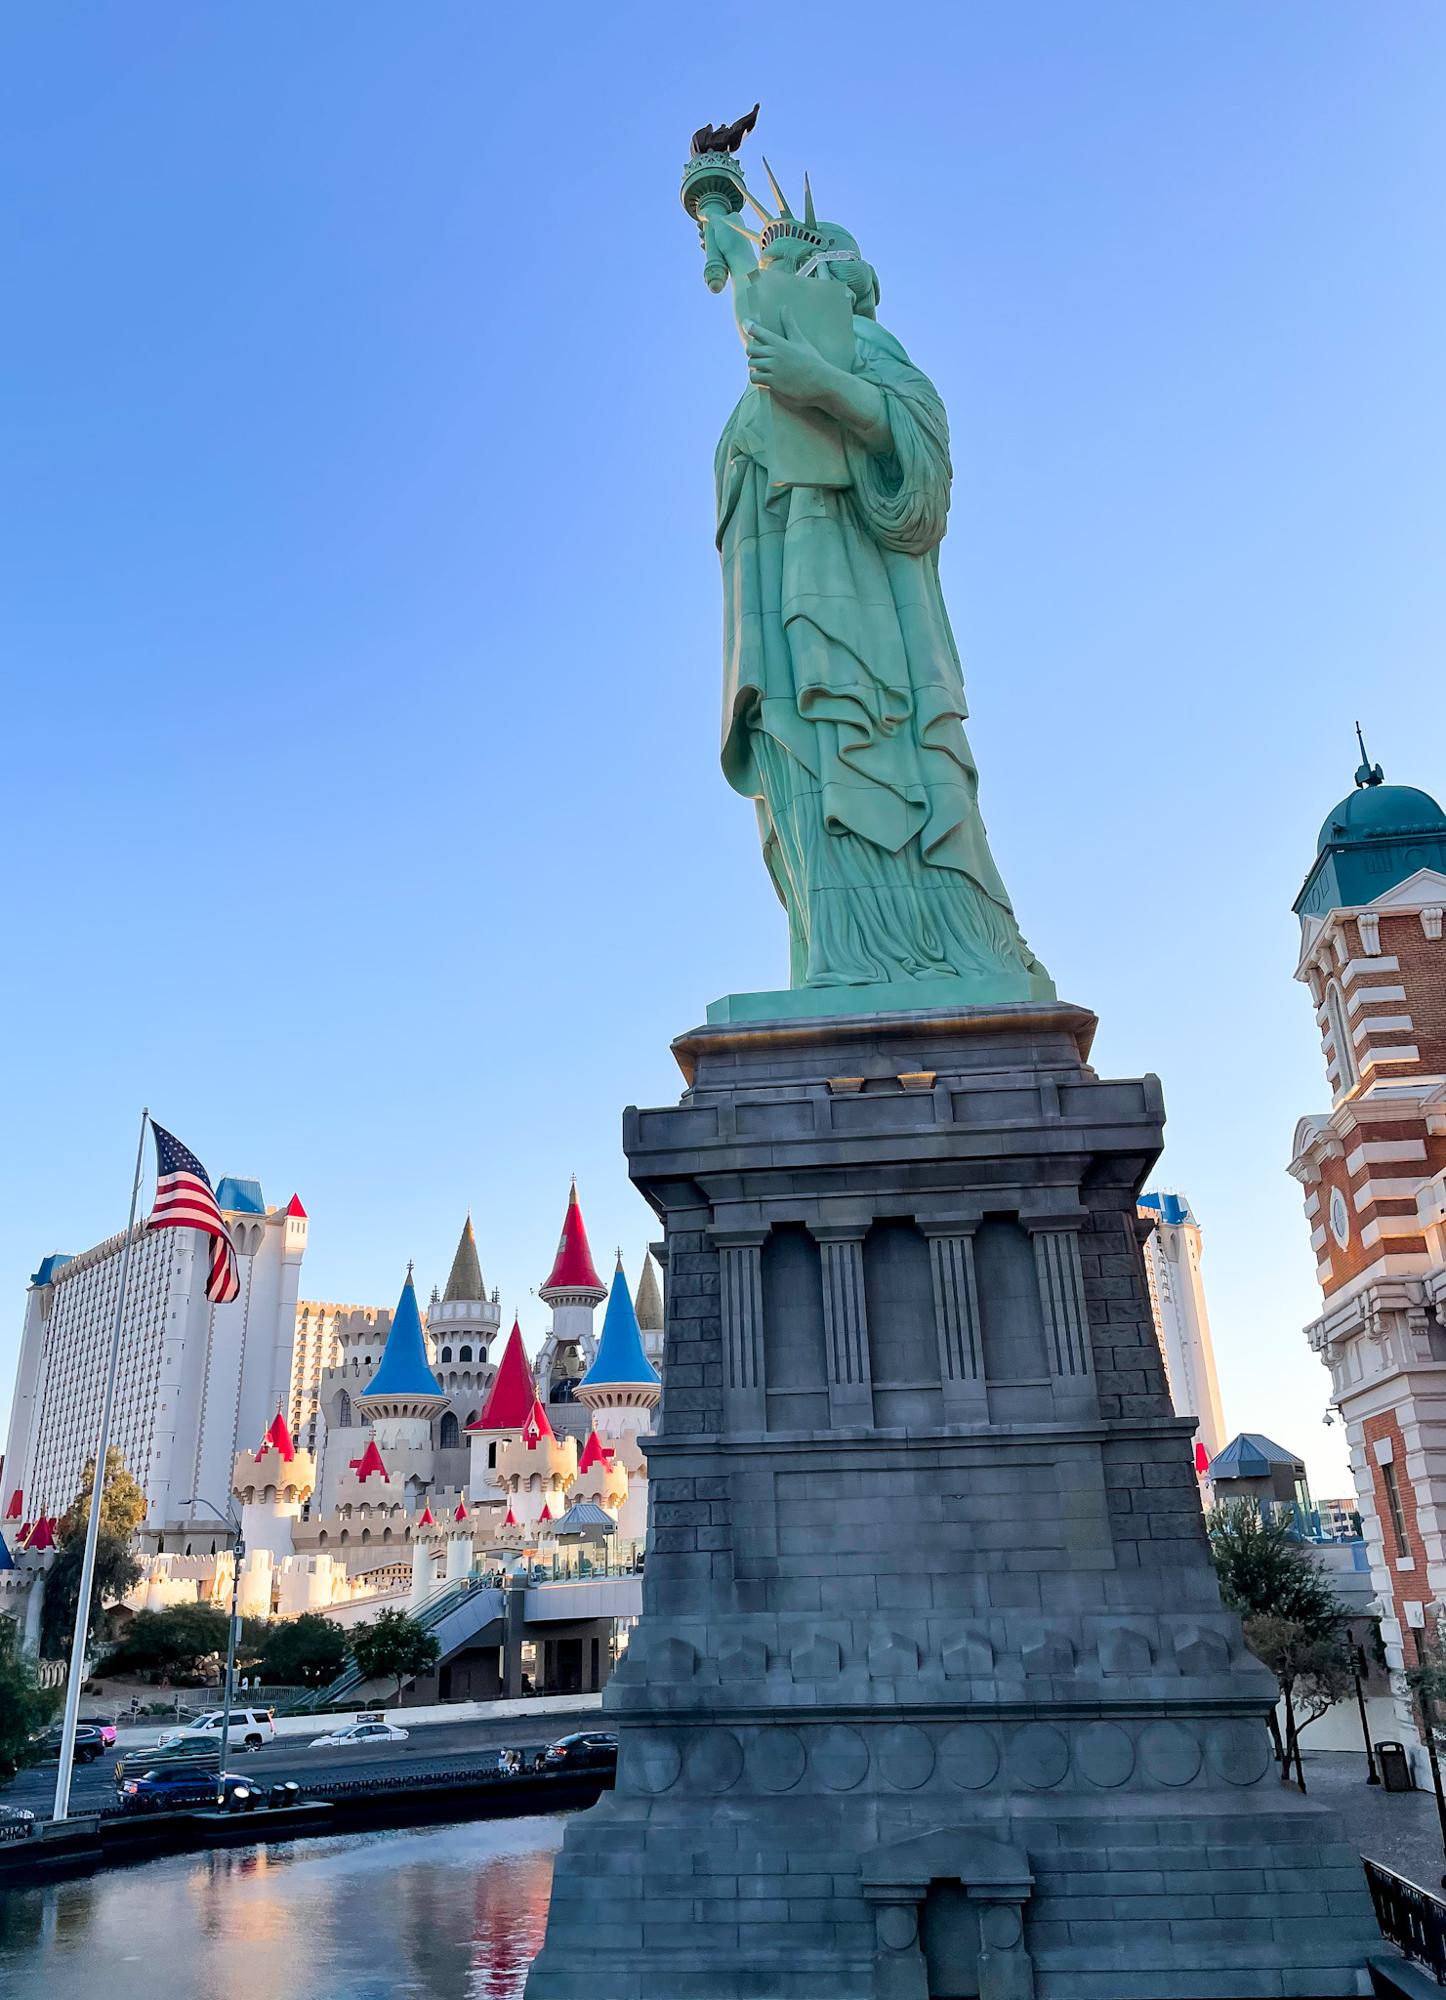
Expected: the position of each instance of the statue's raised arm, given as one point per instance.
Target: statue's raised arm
(844, 703)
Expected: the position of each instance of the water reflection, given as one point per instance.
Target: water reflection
(442, 1913)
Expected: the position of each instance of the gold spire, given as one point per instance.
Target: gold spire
(648, 1305)
(465, 1281)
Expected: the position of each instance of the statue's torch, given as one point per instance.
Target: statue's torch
(712, 191)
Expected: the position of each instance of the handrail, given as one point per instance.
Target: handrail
(1411, 1918)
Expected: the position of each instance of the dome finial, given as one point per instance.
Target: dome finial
(1368, 773)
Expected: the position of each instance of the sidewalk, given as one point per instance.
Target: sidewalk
(1398, 1829)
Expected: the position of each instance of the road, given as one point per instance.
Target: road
(432, 1746)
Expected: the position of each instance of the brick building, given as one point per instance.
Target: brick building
(1373, 1169)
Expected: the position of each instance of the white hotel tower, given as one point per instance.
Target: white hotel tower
(1182, 1324)
(197, 1382)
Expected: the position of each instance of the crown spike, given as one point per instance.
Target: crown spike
(778, 195)
(808, 212)
(755, 204)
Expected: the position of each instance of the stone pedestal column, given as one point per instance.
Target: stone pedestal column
(845, 1322)
(928, 1662)
(956, 1321)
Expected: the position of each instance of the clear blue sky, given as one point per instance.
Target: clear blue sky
(360, 613)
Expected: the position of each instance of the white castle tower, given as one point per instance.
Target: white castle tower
(272, 1485)
(463, 1322)
(621, 1389)
(573, 1291)
(536, 1472)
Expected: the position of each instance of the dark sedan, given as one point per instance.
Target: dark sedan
(587, 1750)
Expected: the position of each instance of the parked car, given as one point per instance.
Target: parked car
(16, 1823)
(181, 1785)
(250, 1727)
(361, 1732)
(107, 1729)
(89, 1743)
(588, 1749)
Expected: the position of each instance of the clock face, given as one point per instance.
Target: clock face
(1340, 1216)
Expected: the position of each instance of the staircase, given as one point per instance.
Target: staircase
(456, 1613)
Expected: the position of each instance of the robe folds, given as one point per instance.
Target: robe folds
(843, 704)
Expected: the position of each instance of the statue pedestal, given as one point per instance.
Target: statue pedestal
(932, 1693)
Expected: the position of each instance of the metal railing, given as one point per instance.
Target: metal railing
(1410, 1918)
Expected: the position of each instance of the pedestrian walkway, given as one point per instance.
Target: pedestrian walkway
(1399, 1829)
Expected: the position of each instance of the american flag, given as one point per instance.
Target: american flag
(185, 1200)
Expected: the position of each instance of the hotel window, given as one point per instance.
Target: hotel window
(1393, 1501)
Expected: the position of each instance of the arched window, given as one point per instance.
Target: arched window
(446, 1354)
(464, 1354)
(321, 1539)
(449, 1432)
(1346, 1072)
(343, 1411)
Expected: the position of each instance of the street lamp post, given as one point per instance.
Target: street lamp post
(238, 1550)
(1358, 1668)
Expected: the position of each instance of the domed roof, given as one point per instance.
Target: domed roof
(1376, 808)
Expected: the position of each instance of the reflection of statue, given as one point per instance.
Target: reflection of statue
(843, 696)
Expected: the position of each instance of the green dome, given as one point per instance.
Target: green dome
(1373, 810)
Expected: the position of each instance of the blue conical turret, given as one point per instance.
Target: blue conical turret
(620, 1355)
(404, 1369)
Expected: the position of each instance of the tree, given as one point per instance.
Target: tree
(308, 1648)
(25, 1707)
(1314, 1674)
(1293, 1620)
(393, 1647)
(175, 1641)
(122, 1510)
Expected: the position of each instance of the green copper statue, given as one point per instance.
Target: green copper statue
(843, 709)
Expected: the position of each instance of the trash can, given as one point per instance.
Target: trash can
(1395, 1767)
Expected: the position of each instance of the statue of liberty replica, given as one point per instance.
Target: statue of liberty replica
(932, 1693)
(843, 705)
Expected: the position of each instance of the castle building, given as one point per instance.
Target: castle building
(317, 1347)
(1373, 1171)
(196, 1381)
(1182, 1323)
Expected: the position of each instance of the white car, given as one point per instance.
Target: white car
(251, 1728)
(360, 1732)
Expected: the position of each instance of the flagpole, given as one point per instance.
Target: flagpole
(97, 1486)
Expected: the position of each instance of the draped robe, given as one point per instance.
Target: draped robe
(843, 708)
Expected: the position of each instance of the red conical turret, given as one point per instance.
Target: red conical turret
(573, 1275)
(592, 1453)
(428, 1520)
(537, 1427)
(369, 1462)
(278, 1439)
(16, 1507)
(512, 1393)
